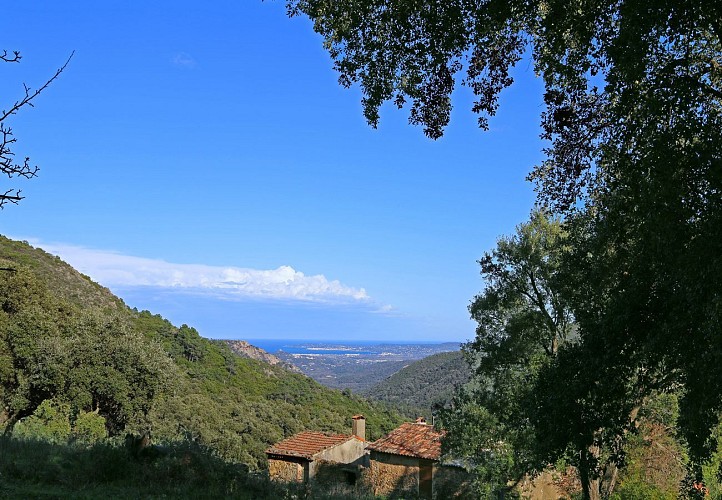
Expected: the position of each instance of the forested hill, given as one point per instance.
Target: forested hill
(60, 279)
(423, 383)
(70, 345)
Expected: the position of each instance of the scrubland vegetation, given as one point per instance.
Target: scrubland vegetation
(79, 370)
(36, 468)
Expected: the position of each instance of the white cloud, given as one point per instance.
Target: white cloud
(183, 60)
(115, 270)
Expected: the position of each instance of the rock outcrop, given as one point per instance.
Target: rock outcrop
(246, 350)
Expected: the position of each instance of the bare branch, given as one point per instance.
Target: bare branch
(8, 165)
(5, 57)
(30, 95)
(10, 196)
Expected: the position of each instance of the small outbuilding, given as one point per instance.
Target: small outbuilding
(406, 463)
(304, 456)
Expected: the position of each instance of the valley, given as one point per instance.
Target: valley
(356, 366)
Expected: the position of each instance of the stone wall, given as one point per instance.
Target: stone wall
(452, 482)
(330, 473)
(285, 471)
(393, 475)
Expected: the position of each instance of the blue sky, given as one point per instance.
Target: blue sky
(203, 162)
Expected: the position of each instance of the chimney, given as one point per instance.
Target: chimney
(358, 427)
(421, 420)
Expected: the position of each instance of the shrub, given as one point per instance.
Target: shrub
(89, 428)
(49, 422)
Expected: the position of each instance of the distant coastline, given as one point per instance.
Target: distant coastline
(311, 346)
(353, 365)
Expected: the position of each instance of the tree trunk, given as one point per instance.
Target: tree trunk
(591, 486)
(612, 480)
(591, 482)
(10, 424)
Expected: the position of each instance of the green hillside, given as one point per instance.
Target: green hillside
(416, 388)
(60, 279)
(76, 363)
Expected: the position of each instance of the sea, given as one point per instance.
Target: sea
(318, 346)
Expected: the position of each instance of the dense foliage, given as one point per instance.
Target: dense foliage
(52, 349)
(523, 325)
(528, 382)
(73, 357)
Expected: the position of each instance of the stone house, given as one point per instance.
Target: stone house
(405, 463)
(313, 455)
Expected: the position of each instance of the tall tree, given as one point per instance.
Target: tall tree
(523, 323)
(633, 118)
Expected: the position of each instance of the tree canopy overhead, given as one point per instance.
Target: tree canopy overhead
(601, 62)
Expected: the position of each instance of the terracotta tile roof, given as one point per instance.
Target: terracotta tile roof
(306, 444)
(411, 440)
